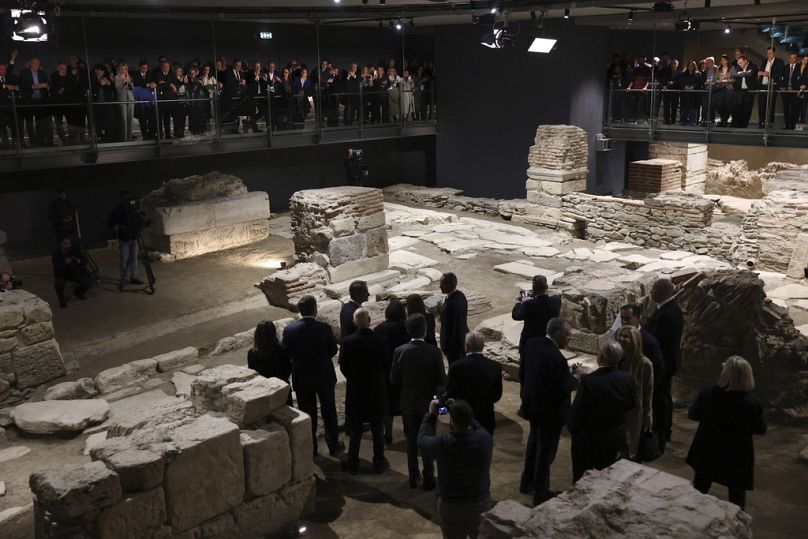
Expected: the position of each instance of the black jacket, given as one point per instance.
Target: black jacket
(67, 265)
(346, 325)
(723, 449)
(396, 335)
(311, 344)
(750, 75)
(666, 324)
(140, 80)
(64, 89)
(26, 82)
(535, 312)
(791, 80)
(364, 360)
(775, 75)
(599, 411)
(454, 324)
(652, 350)
(478, 381)
(278, 365)
(546, 383)
(418, 370)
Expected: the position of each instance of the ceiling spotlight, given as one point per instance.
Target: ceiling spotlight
(631, 15)
(30, 25)
(567, 13)
(399, 26)
(336, 1)
(727, 29)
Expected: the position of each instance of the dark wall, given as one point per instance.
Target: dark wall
(279, 172)
(491, 101)
(183, 40)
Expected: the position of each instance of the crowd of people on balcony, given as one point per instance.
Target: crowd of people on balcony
(170, 98)
(705, 90)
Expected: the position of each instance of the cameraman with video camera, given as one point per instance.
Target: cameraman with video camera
(355, 168)
(126, 221)
(464, 465)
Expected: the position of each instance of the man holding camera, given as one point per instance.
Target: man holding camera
(126, 221)
(536, 308)
(69, 265)
(464, 464)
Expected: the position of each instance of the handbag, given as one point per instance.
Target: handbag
(648, 448)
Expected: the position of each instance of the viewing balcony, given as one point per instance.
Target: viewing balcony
(718, 117)
(71, 134)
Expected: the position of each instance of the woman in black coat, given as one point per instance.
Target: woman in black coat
(395, 332)
(268, 357)
(728, 415)
(415, 304)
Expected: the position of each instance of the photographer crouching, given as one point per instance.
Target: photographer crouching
(464, 464)
(70, 265)
(127, 221)
(355, 167)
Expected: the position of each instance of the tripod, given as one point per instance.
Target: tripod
(91, 263)
(144, 258)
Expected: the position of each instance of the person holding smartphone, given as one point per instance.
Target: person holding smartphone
(535, 308)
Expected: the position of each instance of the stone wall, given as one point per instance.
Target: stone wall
(202, 214)
(624, 500)
(29, 353)
(654, 176)
(239, 464)
(693, 158)
(341, 229)
(675, 221)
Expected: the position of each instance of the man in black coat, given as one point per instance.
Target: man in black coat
(476, 380)
(418, 369)
(630, 315)
(791, 82)
(311, 344)
(34, 84)
(358, 291)
(167, 85)
(536, 311)
(746, 82)
(546, 387)
(453, 319)
(598, 417)
(69, 265)
(666, 323)
(142, 78)
(768, 79)
(364, 360)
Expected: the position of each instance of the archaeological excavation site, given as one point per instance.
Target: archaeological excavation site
(144, 415)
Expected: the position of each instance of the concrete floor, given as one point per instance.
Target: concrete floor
(201, 300)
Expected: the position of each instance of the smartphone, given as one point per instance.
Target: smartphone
(527, 294)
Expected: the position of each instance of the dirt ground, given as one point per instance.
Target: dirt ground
(201, 300)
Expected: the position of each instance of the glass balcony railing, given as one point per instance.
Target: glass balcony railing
(29, 129)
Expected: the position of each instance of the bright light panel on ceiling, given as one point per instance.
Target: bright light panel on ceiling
(542, 44)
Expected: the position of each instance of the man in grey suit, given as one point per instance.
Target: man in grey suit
(418, 369)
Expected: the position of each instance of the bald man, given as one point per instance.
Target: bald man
(476, 380)
(364, 360)
(666, 324)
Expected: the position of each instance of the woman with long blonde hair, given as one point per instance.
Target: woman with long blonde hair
(641, 368)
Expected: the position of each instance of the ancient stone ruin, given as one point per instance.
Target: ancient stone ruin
(233, 461)
(203, 214)
(341, 229)
(29, 353)
(624, 500)
(692, 157)
(727, 313)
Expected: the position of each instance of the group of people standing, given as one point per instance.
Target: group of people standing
(398, 369)
(702, 91)
(172, 98)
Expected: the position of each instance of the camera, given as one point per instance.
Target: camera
(443, 403)
(527, 294)
(356, 154)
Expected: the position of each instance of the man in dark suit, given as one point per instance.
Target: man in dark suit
(350, 91)
(630, 315)
(8, 84)
(233, 86)
(746, 82)
(358, 291)
(364, 360)
(311, 345)
(418, 369)
(666, 323)
(790, 84)
(536, 311)
(768, 79)
(167, 84)
(453, 319)
(546, 387)
(257, 87)
(476, 380)
(142, 78)
(34, 92)
(597, 420)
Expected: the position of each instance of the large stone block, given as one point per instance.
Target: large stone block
(83, 388)
(275, 513)
(11, 316)
(206, 478)
(217, 238)
(253, 400)
(37, 364)
(37, 332)
(144, 409)
(68, 493)
(138, 515)
(128, 374)
(267, 459)
(138, 469)
(59, 417)
(206, 390)
(298, 427)
(348, 248)
(564, 188)
(357, 268)
(377, 241)
(177, 358)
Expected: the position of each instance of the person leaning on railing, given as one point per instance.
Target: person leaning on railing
(690, 82)
(802, 94)
(722, 97)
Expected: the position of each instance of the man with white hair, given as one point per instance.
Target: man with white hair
(597, 421)
(476, 380)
